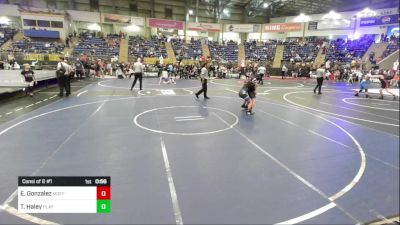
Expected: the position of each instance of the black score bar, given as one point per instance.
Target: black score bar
(63, 181)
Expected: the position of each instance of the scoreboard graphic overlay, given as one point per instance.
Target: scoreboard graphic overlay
(64, 194)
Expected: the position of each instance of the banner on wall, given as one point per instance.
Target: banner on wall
(282, 27)
(54, 57)
(166, 24)
(27, 9)
(380, 20)
(33, 57)
(189, 62)
(113, 18)
(139, 21)
(243, 28)
(335, 25)
(153, 60)
(312, 25)
(210, 27)
(93, 17)
(388, 11)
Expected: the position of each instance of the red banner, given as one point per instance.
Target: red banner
(282, 27)
(166, 24)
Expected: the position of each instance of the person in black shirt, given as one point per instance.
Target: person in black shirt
(79, 69)
(251, 102)
(29, 76)
(248, 94)
(203, 79)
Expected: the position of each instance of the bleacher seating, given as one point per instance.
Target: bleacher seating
(260, 51)
(100, 47)
(300, 52)
(228, 52)
(5, 34)
(27, 46)
(345, 51)
(194, 50)
(180, 49)
(147, 48)
(392, 47)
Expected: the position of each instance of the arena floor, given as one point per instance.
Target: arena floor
(301, 158)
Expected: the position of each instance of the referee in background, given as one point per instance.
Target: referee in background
(203, 79)
(320, 79)
(138, 72)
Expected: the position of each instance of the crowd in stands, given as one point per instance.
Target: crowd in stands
(226, 51)
(36, 47)
(346, 50)
(386, 38)
(179, 48)
(27, 45)
(91, 45)
(392, 47)
(260, 51)
(192, 50)
(300, 52)
(6, 33)
(154, 47)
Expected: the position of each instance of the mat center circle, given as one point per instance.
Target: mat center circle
(186, 120)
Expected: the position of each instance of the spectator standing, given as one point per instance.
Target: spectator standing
(328, 65)
(7, 66)
(170, 69)
(16, 66)
(284, 70)
(79, 69)
(224, 70)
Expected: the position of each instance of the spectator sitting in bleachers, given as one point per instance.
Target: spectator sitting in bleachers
(103, 47)
(228, 52)
(28, 46)
(392, 47)
(147, 48)
(6, 33)
(340, 49)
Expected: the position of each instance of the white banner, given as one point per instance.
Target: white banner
(93, 17)
(389, 11)
(335, 25)
(243, 28)
(210, 27)
(139, 21)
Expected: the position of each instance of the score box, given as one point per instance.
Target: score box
(64, 194)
